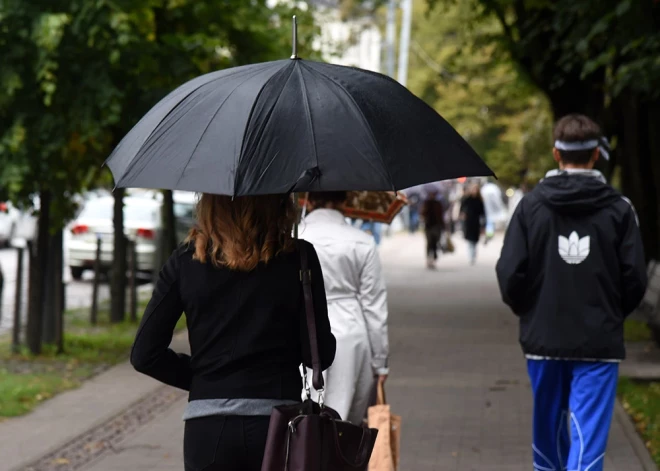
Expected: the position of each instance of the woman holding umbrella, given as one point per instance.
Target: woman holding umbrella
(264, 129)
(237, 279)
(357, 304)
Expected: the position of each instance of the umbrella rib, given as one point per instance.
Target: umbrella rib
(175, 107)
(208, 125)
(249, 120)
(365, 122)
(309, 115)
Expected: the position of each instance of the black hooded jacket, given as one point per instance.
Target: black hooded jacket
(572, 267)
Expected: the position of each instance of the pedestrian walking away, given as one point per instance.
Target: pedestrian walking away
(413, 212)
(473, 216)
(492, 197)
(572, 268)
(434, 224)
(357, 305)
(237, 278)
(374, 229)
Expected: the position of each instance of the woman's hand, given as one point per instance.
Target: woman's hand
(382, 379)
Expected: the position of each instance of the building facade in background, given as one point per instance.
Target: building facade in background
(356, 42)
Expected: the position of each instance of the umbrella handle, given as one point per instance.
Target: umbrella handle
(306, 179)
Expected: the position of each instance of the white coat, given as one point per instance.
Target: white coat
(357, 308)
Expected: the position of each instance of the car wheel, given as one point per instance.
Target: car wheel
(77, 273)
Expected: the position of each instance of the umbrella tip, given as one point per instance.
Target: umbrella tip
(294, 54)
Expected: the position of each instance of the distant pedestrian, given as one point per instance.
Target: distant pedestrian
(572, 268)
(374, 229)
(473, 215)
(515, 199)
(357, 305)
(493, 199)
(433, 214)
(414, 202)
(237, 278)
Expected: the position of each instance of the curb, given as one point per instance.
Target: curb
(76, 434)
(642, 453)
(100, 421)
(106, 435)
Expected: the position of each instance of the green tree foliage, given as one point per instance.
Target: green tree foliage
(76, 75)
(602, 58)
(455, 67)
(598, 57)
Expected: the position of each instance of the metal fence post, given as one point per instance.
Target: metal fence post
(133, 281)
(58, 295)
(2, 288)
(18, 303)
(95, 286)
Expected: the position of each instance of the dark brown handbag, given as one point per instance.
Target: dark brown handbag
(310, 436)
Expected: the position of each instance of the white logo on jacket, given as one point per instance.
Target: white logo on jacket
(573, 249)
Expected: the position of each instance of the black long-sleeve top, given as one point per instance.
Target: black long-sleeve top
(247, 330)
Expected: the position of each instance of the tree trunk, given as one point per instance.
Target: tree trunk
(170, 240)
(167, 238)
(51, 289)
(2, 288)
(119, 264)
(653, 251)
(58, 298)
(38, 272)
(640, 176)
(577, 96)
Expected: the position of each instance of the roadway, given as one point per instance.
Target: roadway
(78, 293)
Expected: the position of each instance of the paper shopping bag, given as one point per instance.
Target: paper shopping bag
(386, 453)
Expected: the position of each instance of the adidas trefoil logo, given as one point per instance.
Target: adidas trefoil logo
(573, 249)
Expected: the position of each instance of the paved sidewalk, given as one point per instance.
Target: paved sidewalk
(457, 377)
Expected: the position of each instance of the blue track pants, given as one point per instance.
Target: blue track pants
(573, 406)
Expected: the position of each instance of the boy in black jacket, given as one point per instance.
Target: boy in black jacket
(572, 268)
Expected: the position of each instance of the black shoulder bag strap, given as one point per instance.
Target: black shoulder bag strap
(306, 278)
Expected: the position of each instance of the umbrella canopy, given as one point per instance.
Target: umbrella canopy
(422, 192)
(291, 125)
(377, 206)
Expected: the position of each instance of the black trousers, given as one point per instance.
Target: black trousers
(225, 443)
(432, 240)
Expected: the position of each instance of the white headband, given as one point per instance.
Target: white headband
(602, 144)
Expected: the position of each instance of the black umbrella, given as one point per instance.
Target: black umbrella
(291, 125)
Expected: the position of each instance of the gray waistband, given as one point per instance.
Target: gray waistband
(208, 407)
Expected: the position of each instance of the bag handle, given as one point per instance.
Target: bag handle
(306, 278)
(364, 450)
(380, 394)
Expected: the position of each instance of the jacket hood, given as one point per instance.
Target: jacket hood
(576, 191)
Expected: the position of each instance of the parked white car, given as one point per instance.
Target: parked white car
(142, 223)
(184, 212)
(496, 210)
(184, 208)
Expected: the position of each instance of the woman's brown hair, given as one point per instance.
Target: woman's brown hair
(243, 232)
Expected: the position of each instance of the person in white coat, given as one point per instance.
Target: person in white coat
(357, 305)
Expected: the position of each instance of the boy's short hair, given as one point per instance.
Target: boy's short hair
(576, 128)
